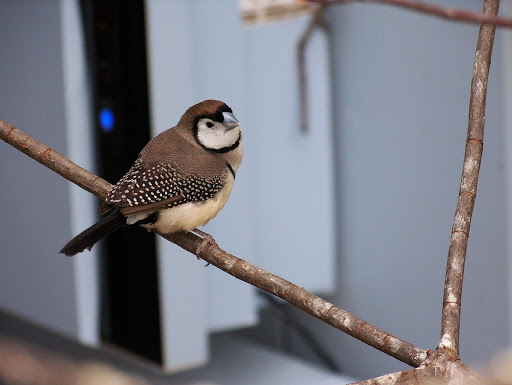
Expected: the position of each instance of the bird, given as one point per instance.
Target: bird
(181, 179)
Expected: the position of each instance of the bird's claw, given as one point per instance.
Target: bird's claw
(205, 244)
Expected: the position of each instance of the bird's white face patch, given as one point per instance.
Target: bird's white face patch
(215, 136)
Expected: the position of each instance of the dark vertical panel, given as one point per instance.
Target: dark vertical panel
(116, 40)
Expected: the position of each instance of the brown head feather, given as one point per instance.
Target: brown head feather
(204, 108)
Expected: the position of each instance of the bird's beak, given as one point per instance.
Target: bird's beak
(230, 121)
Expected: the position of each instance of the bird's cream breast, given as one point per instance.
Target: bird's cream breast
(190, 215)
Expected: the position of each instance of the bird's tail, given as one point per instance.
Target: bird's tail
(88, 238)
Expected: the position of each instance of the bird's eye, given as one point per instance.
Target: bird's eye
(209, 124)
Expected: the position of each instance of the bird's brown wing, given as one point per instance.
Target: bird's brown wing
(173, 201)
(148, 188)
(148, 207)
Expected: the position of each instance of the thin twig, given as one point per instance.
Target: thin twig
(470, 170)
(434, 10)
(297, 296)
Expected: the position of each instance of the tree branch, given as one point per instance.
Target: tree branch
(466, 201)
(53, 160)
(434, 10)
(237, 267)
(387, 379)
(440, 367)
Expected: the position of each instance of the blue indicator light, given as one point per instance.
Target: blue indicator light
(106, 119)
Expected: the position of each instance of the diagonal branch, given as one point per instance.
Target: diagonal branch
(297, 296)
(434, 10)
(53, 160)
(470, 170)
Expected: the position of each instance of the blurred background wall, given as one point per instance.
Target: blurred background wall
(390, 86)
(401, 93)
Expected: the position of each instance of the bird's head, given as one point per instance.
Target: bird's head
(214, 126)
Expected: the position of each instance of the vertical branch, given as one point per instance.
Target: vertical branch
(450, 324)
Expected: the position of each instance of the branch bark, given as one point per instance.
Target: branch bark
(243, 270)
(434, 10)
(440, 367)
(450, 323)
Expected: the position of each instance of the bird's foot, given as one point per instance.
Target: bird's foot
(205, 244)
